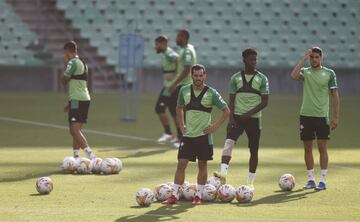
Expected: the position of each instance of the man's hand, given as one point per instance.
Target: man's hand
(183, 129)
(334, 123)
(307, 54)
(210, 129)
(66, 107)
(172, 89)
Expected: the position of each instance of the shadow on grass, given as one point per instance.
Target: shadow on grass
(279, 197)
(38, 195)
(144, 154)
(162, 213)
(29, 176)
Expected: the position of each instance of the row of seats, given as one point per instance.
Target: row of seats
(15, 36)
(281, 30)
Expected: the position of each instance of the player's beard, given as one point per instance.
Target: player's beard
(198, 83)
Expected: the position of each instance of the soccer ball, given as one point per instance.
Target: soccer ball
(118, 165)
(144, 197)
(226, 193)
(163, 192)
(95, 165)
(68, 164)
(189, 191)
(209, 193)
(83, 165)
(44, 185)
(215, 181)
(244, 194)
(287, 182)
(108, 166)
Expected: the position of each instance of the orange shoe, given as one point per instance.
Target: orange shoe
(171, 200)
(196, 200)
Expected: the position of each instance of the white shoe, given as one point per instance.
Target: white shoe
(175, 140)
(164, 138)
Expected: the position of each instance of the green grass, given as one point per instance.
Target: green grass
(28, 152)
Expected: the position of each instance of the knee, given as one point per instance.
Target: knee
(181, 166)
(73, 131)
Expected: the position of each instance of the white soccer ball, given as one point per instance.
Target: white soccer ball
(189, 191)
(244, 194)
(68, 164)
(209, 193)
(44, 185)
(95, 165)
(83, 165)
(287, 182)
(163, 192)
(144, 197)
(108, 166)
(118, 164)
(226, 193)
(215, 181)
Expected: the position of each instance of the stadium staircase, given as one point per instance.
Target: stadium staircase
(53, 30)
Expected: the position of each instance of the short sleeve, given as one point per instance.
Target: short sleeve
(264, 87)
(218, 101)
(70, 68)
(180, 99)
(232, 85)
(332, 81)
(171, 56)
(188, 57)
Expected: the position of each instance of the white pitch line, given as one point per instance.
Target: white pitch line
(85, 130)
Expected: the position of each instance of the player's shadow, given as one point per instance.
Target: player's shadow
(29, 176)
(162, 213)
(144, 154)
(279, 197)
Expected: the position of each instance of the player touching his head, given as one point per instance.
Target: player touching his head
(318, 82)
(248, 95)
(76, 73)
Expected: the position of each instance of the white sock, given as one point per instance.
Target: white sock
(76, 152)
(311, 174)
(224, 169)
(89, 153)
(199, 190)
(251, 177)
(176, 189)
(323, 173)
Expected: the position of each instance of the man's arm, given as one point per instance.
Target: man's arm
(182, 76)
(335, 108)
(260, 106)
(295, 74)
(213, 127)
(65, 80)
(180, 118)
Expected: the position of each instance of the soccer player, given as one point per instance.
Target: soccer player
(187, 58)
(75, 75)
(318, 81)
(197, 99)
(169, 66)
(248, 95)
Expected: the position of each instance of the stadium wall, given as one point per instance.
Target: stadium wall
(279, 80)
(25, 78)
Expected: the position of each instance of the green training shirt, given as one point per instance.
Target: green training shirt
(245, 101)
(317, 84)
(187, 56)
(196, 120)
(77, 88)
(169, 67)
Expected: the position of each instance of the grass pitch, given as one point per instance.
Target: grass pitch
(29, 151)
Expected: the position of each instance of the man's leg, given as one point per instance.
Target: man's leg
(309, 162)
(76, 149)
(178, 181)
(160, 108)
(78, 136)
(324, 158)
(201, 181)
(253, 133)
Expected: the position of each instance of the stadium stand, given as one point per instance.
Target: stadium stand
(281, 30)
(15, 38)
